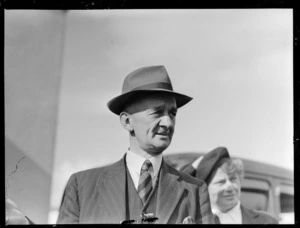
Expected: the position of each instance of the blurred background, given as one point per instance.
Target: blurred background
(61, 68)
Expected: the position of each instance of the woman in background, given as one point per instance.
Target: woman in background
(223, 177)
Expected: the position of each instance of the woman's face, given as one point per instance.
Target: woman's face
(224, 190)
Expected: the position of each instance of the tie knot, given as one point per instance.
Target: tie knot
(146, 165)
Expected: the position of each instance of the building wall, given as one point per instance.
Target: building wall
(33, 59)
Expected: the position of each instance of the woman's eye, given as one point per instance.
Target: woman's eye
(220, 182)
(233, 179)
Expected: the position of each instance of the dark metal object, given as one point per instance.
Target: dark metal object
(144, 219)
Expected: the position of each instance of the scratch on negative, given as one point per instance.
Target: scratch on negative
(14, 171)
(17, 167)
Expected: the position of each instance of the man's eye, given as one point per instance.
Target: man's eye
(157, 112)
(173, 113)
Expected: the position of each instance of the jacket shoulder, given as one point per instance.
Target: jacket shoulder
(266, 217)
(188, 179)
(93, 174)
(257, 217)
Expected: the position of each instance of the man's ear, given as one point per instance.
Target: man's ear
(126, 121)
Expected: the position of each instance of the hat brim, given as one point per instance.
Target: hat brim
(117, 104)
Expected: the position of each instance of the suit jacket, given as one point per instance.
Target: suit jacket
(248, 216)
(99, 196)
(256, 217)
(253, 217)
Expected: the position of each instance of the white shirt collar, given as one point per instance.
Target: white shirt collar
(134, 164)
(233, 216)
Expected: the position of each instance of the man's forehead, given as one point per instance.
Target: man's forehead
(163, 106)
(153, 102)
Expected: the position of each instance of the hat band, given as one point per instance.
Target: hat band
(155, 85)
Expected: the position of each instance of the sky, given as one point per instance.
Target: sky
(236, 64)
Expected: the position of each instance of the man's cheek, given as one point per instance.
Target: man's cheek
(154, 126)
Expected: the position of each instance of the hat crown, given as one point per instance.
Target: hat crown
(151, 77)
(210, 162)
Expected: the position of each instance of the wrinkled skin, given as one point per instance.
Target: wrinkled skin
(224, 190)
(151, 122)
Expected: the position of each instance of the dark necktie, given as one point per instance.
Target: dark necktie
(145, 181)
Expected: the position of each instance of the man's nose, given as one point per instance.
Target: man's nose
(166, 121)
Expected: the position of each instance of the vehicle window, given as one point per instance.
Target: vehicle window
(255, 194)
(255, 184)
(286, 205)
(254, 199)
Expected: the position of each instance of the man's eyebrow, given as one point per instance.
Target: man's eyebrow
(158, 107)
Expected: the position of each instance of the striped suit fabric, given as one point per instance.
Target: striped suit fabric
(98, 196)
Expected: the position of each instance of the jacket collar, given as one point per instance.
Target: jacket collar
(169, 193)
(111, 187)
(248, 216)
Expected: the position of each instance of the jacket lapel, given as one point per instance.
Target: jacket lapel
(169, 194)
(247, 216)
(112, 191)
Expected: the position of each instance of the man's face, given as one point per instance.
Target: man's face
(224, 190)
(153, 121)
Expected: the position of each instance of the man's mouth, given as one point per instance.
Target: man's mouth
(163, 133)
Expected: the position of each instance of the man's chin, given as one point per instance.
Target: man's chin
(158, 149)
(163, 145)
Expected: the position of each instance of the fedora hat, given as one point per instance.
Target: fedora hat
(211, 162)
(142, 80)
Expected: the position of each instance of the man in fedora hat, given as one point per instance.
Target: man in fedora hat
(223, 176)
(141, 184)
